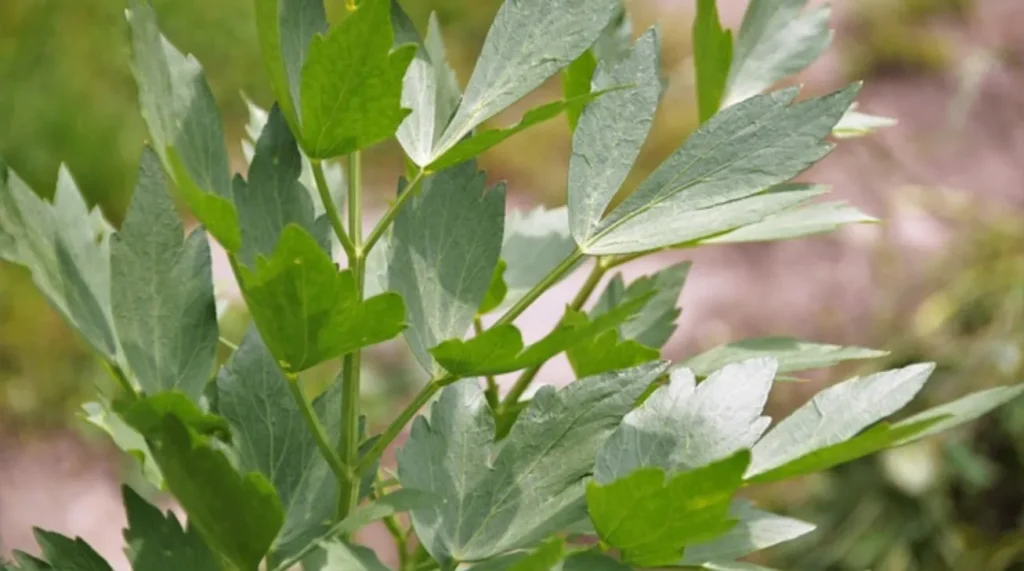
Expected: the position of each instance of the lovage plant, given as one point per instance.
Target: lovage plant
(635, 464)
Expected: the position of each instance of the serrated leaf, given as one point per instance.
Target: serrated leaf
(338, 556)
(352, 83)
(207, 486)
(591, 561)
(65, 554)
(184, 124)
(755, 530)
(656, 322)
(544, 558)
(126, 438)
(502, 497)
(162, 291)
(804, 220)
(529, 41)
(961, 411)
(443, 251)
(606, 352)
(285, 29)
(27, 563)
(429, 89)
(272, 438)
(307, 311)
(158, 542)
(652, 515)
(273, 197)
(500, 349)
(716, 181)
(65, 245)
(777, 39)
(683, 425)
(612, 131)
(535, 242)
(712, 57)
(837, 414)
(576, 82)
(793, 355)
(856, 124)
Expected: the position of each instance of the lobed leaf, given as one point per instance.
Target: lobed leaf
(498, 498)
(62, 554)
(606, 352)
(792, 355)
(158, 542)
(655, 323)
(307, 311)
(712, 57)
(444, 247)
(162, 291)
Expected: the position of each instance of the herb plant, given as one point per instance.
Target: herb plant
(635, 464)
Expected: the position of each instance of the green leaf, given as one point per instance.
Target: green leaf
(273, 197)
(147, 415)
(544, 558)
(776, 40)
(352, 83)
(207, 486)
(683, 425)
(500, 349)
(184, 123)
(507, 496)
(856, 124)
(65, 554)
(606, 352)
(272, 438)
(286, 28)
(126, 438)
(961, 411)
(65, 245)
(162, 291)
(755, 530)
(733, 566)
(338, 556)
(612, 131)
(656, 322)
(158, 542)
(307, 311)
(712, 56)
(535, 242)
(529, 41)
(429, 89)
(399, 501)
(708, 186)
(837, 414)
(576, 82)
(804, 220)
(496, 291)
(443, 251)
(27, 563)
(793, 355)
(591, 561)
(652, 515)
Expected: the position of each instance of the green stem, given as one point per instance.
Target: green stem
(316, 428)
(392, 212)
(549, 280)
(330, 207)
(348, 445)
(492, 385)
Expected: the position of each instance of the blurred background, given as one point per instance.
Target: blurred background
(941, 279)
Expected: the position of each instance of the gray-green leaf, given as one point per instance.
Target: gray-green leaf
(338, 556)
(709, 185)
(656, 322)
(755, 530)
(444, 247)
(804, 220)
(158, 542)
(506, 496)
(611, 132)
(793, 355)
(162, 291)
(535, 242)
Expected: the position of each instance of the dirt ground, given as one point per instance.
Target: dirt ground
(820, 288)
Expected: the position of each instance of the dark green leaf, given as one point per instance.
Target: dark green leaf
(535, 243)
(652, 515)
(205, 483)
(591, 561)
(502, 497)
(184, 124)
(157, 542)
(27, 563)
(352, 83)
(127, 439)
(606, 352)
(162, 291)
(683, 425)
(612, 131)
(64, 554)
(712, 55)
(576, 82)
(656, 322)
(804, 220)
(147, 415)
(65, 246)
(716, 181)
(307, 311)
(338, 556)
(500, 349)
(792, 355)
(755, 530)
(544, 558)
(496, 291)
(443, 251)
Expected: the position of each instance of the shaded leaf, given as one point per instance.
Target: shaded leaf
(146, 415)
(307, 311)
(716, 181)
(606, 352)
(576, 82)
(158, 542)
(184, 123)
(65, 554)
(535, 243)
(502, 497)
(804, 220)
(755, 530)
(712, 57)
(443, 251)
(656, 322)
(352, 83)
(338, 556)
(162, 291)
(544, 558)
(126, 438)
(591, 561)
(793, 355)
(652, 515)
(496, 291)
